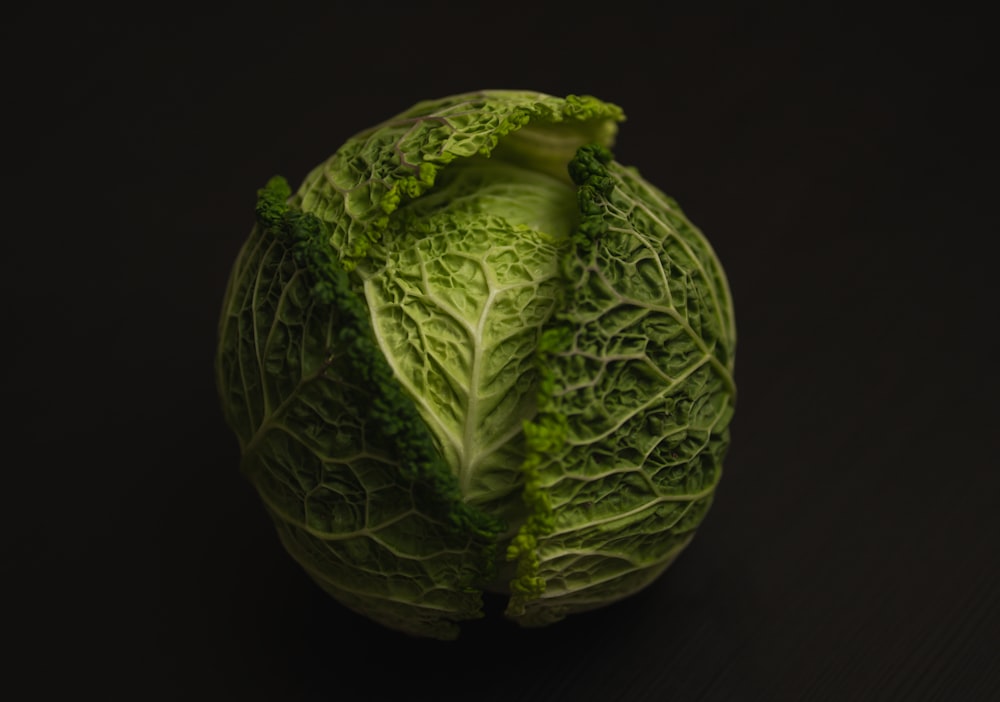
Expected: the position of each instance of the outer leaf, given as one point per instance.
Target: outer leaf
(627, 447)
(358, 492)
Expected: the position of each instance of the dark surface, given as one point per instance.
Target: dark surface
(843, 168)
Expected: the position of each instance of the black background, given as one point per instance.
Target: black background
(841, 165)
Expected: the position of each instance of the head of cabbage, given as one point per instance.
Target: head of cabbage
(473, 353)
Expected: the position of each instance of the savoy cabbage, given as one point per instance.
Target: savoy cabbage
(472, 352)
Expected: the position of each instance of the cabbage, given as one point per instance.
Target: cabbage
(473, 353)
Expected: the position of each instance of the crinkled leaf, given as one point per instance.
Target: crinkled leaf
(632, 425)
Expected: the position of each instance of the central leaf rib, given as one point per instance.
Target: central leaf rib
(471, 449)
